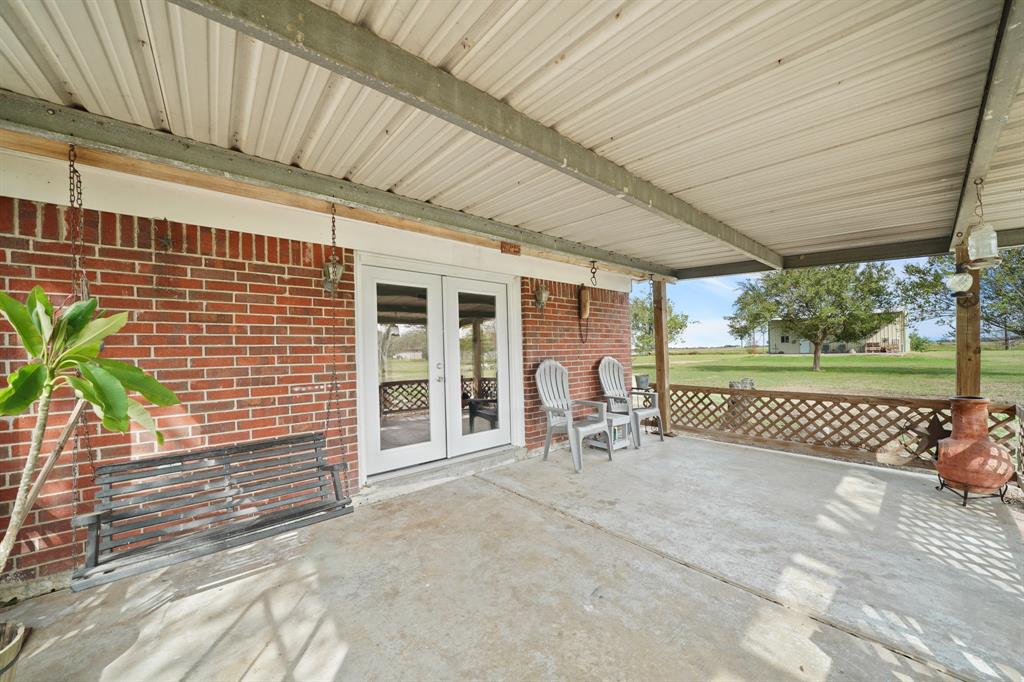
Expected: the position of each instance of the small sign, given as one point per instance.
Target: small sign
(511, 249)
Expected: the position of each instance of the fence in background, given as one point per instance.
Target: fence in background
(864, 427)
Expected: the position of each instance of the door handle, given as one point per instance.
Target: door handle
(441, 379)
(440, 366)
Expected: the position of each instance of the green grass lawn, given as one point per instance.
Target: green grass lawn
(921, 375)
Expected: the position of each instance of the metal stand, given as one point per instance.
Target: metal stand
(963, 494)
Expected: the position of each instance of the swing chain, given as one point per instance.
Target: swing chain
(334, 392)
(76, 228)
(593, 273)
(75, 221)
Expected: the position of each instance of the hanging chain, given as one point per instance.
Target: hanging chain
(76, 229)
(583, 326)
(75, 221)
(979, 207)
(334, 392)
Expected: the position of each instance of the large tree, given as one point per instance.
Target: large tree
(925, 296)
(755, 315)
(838, 302)
(641, 309)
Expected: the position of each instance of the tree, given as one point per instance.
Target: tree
(641, 311)
(751, 313)
(63, 347)
(924, 294)
(918, 343)
(838, 302)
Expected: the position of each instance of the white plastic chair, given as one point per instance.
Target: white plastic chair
(553, 387)
(620, 398)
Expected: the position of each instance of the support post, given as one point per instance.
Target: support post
(661, 354)
(968, 334)
(477, 360)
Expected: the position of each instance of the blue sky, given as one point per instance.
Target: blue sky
(708, 301)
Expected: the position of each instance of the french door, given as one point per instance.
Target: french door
(439, 361)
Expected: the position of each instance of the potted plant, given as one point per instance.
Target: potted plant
(63, 347)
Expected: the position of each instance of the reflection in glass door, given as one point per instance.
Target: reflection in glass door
(476, 336)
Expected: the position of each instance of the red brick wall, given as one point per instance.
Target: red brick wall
(232, 322)
(555, 333)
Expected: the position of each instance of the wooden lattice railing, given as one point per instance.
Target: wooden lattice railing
(834, 424)
(404, 396)
(412, 395)
(488, 387)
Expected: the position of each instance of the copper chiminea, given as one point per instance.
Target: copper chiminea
(969, 461)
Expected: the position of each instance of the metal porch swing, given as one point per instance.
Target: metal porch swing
(159, 511)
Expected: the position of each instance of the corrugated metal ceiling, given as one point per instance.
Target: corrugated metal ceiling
(806, 125)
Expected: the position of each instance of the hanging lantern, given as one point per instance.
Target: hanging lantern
(959, 282)
(983, 247)
(333, 268)
(333, 271)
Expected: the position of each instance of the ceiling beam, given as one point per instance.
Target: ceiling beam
(1001, 87)
(320, 36)
(22, 114)
(936, 246)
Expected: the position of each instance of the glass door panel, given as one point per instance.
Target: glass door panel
(406, 335)
(477, 353)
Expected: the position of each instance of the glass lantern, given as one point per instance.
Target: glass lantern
(959, 282)
(333, 271)
(983, 247)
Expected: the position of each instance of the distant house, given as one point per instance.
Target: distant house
(893, 337)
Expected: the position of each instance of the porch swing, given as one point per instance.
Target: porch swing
(159, 511)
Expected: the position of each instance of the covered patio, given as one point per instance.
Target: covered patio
(347, 233)
(688, 559)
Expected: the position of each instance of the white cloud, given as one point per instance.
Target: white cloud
(704, 333)
(718, 284)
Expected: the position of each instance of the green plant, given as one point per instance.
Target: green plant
(63, 348)
(918, 343)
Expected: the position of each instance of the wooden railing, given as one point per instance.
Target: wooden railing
(844, 425)
(413, 395)
(410, 395)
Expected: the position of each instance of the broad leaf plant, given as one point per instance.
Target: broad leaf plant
(63, 346)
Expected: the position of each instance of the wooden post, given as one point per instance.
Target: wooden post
(477, 365)
(661, 378)
(968, 335)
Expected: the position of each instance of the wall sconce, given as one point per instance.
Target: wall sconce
(333, 271)
(540, 296)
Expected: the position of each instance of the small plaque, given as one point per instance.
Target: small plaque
(511, 249)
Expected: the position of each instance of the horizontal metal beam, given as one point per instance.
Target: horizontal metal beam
(37, 117)
(937, 246)
(1006, 69)
(320, 36)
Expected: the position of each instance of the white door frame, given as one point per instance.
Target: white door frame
(366, 383)
(435, 446)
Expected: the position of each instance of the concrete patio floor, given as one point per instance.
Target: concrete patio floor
(687, 560)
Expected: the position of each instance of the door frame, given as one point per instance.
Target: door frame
(435, 447)
(366, 383)
(460, 443)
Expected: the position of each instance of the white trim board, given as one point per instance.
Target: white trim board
(36, 178)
